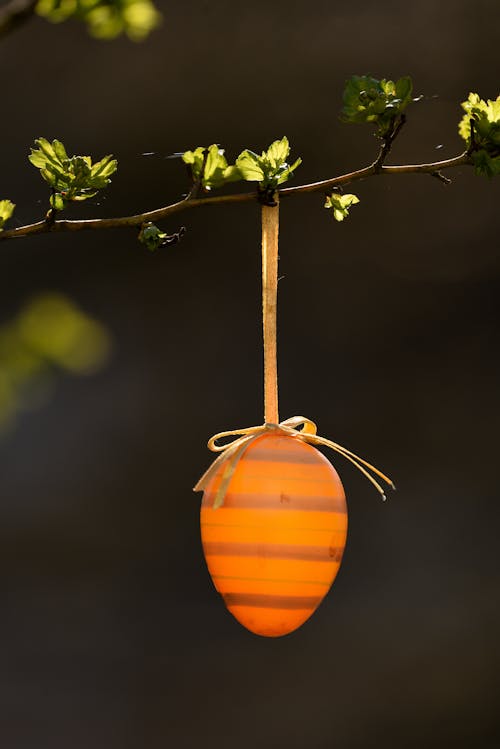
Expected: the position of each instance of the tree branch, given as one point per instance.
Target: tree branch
(15, 14)
(137, 220)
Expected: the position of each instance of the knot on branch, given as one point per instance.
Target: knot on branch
(266, 196)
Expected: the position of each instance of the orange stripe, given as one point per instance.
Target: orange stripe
(273, 569)
(243, 517)
(274, 534)
(264, 470)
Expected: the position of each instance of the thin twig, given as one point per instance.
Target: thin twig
(472, 143)
(445, 180)
(389, 139)
(42, 227)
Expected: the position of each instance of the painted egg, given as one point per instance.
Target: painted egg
(274, 547)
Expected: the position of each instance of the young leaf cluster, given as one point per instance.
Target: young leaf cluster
(271, 168)
(71, 179)
(340, 204)
(6, 211)
(152, 237)
(105, 19)
(480, 128)
(216, 171)
(367, 99)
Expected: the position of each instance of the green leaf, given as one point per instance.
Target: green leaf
(249, 166)
(216, 168)
(59, 151)
(57, 201)
(340, 204)
(72, 179)
(285, 174)
(278, 152)
(404, 89)
(45, 156)
(194, 159)
(6, 210)
(486, 165)
(101, 171)
(215, 162)
(38, 158)
(232, 174)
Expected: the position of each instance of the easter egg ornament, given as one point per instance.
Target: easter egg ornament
(273, 515)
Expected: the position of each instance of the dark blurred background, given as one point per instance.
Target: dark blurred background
(112, 634)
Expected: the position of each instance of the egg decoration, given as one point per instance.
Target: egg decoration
(273, 515)
(274, 546)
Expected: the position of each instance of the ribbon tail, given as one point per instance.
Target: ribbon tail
(345, 451)
(201, 484)
(228, 473)
(356, 461)
(231, 457)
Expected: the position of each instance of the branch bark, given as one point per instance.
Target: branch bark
(189, 202)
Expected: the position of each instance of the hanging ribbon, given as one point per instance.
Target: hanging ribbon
(298, 427)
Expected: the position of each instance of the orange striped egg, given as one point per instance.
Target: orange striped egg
(274, 547)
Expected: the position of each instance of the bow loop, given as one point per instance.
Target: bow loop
(292, 426)
(236, 434)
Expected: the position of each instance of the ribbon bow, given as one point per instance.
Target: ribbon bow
(298, 427)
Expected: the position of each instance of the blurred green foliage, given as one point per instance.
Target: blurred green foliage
(340, 204)
(367, 99)
(49, 334)
(72, 179)
(484, 118)
(105, 19)
(6, 211)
